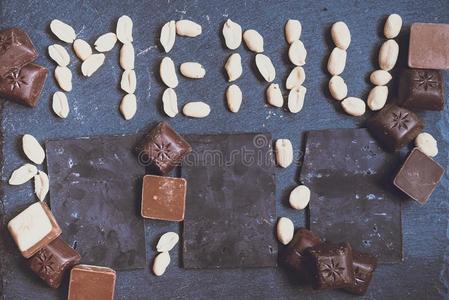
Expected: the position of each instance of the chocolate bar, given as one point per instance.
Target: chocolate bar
(34, 228)
(24, 85)
(331, 265)
(395, 127)
(364, 265)
(91, 282)
(421, 89)
(163, 198)
(429, 46)
(16, 50)
(419, 176)
(162, 149)
(52, 262)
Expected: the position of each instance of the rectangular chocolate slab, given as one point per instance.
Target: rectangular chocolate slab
(91, 282)
(95, 193)
(230, 206)
(353, 198)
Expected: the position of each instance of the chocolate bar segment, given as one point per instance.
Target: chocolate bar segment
(364, 265)
(16, 50)
(34, 228)
(52, 262)
(331, 265)
(395, 127)
(162, 149)
(421, 89)
(24, 85)
(163, 198)
(429, 46)
(91, 282)
(419, 176)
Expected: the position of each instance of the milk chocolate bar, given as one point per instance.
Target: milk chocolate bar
(91, 282)
(16, 50)
(34, 228)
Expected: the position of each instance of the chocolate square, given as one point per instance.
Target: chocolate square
(429, 46)
(364, 265)
(162, 149)
(231, 210)
(16, 50)
(395, 127)
(331, 265)
(163, 198)
(91, 282)
(419, 176)
(421, 89)
(24, 85)
(52, 262)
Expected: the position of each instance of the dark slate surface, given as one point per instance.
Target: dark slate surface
(96, 188)
(353, 198)
(230, 202)
(424, 274)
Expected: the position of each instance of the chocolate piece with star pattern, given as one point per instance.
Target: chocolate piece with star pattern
(421, 90)
(395, 127)
(364, 265)
(52, 262)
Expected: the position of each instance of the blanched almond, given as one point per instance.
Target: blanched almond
(106, 42)
(92, 64)
(128, 106)
(299, 197)
(233, 67)
(63, 77)
(388, 55)
(59, 55)
(32, 149)
(284, 152)
(338, 88)
(380, 77)
(168, 73)
(253, 40)
(265, 67)
(192, 70)
(167, 242)
(161, 263)
(296, 99)
(168, 36)
(285, 230)
(295, 78)
(297, 53)
(63, 31)
(427, 144)
(188, 28)
(274, 95)
(170, 102)
(82, 49)
(392, 26)
(377, 97)
(337, 61)
(232, 33)
(124, 30)
(354, 106)
(293, 30)
(234, 98)
(22, 174)
(128, 82)
(127, 57)
(41, 185)
(341, 35)
(60, 105)
(196, 109)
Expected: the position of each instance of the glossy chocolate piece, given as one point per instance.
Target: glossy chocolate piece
(419, 176)
(162, 149)
(34, 228)
(293, 257)
(24, 85)
(429, 46)
(395, 127)
(230, 206)
(353, 198)
(91, 282)
(421, 89)
(364, 265)
(331, 265)
(96, 192)
(16, 50)
(163, 198)
(53, 261)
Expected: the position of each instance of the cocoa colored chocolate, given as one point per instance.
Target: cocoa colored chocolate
(364, 265)
(91, 282)
(163, 198)
(53, 261)
(24, 84)
(419, 176)
(16, 50)
(429, 46)
(421, 89)
(162, 149)
(395, 127)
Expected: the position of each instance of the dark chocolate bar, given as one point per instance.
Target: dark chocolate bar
(364, 265)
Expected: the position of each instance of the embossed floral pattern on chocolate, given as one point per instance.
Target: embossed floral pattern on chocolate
(426, 80)
(400, 120)
(45, 262)
(162, 150)
(15, 79)
(331, 270)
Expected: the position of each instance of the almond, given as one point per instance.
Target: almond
(105, 42)
(284, 152)
(128, 106)
(232, 33)
(22, 174)
(388, 55)
(354, 106)
(161, 263)
(337, 61)
(32, 149)
(295, 78)
(60, 105)
(63, 77)
(59, 54)
(92, 64)
(233, 67)
(297, 53)
(192, 70)
(128, 82)
(377, 97)
(299, 197)
(82, 49)
(253, 40)
(168, 73)
(380, 77)
(188, 28)
(168, 36)
(124, 29)
(196, 109)
(170, 102)
(234, 98)
(63, 31)
(285, 230)
(41, 185)
(338, 88)
(167, 242)
(427, 144)
(341, 35)
(127, 57)
(293, 30)
(265, 67)
(392, 26)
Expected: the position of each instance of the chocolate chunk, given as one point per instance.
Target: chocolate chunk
(429, 46)
(293, 256)
(163, 198)
(34, 228)
(353, 197)
(16, 50)
(162, 149)
(419, 176)
(24, 85)
(395, 127)
(331, 265)
(421, 90)
(95, 192)
(364, 265)
(91, 282)
(230, 213)
(52, 261)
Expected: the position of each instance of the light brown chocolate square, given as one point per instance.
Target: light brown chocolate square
(91, 282)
